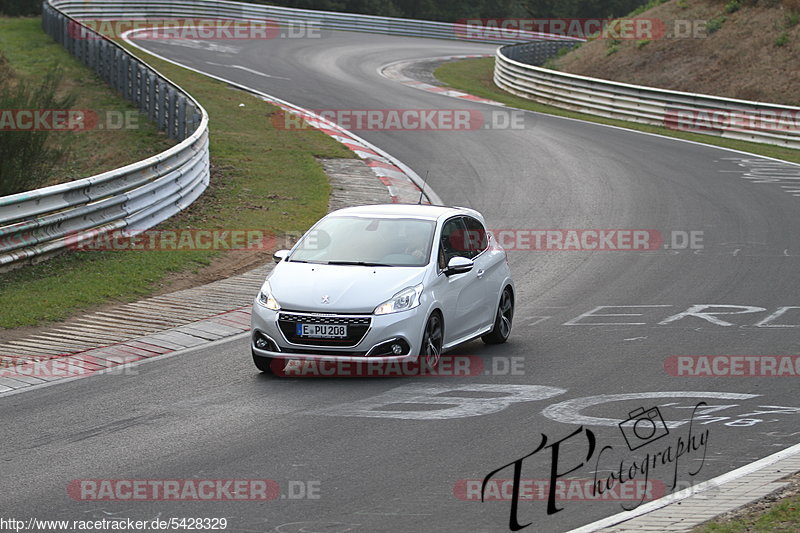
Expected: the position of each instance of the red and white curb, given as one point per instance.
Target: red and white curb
(404, 185)
(118, 357)
(397, 179)
(394, 72)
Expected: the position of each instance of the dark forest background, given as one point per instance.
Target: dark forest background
(452, 10)
(443, 10)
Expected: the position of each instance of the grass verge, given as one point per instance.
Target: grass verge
(475, 77)
(262, 178)
(31, 53)
(781, 517)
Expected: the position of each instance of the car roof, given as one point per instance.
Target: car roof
(431, 212)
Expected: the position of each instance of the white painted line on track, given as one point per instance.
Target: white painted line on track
(252, 71)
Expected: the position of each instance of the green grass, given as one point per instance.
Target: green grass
(781, 517)
(645, 7)
(262, 178)
(52, 290)
(733, 6)
(31, 53)
(715, 24)
(475, 77)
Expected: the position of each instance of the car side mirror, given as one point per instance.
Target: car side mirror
(280, 255)
(458, 265)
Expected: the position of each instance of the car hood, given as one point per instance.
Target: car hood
(350, 289)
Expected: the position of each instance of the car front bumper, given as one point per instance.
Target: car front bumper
(404, 329)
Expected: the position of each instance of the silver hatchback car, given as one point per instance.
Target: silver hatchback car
(392, 282)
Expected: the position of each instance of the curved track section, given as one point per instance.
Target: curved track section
(596, 333)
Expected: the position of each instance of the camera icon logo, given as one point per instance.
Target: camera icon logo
(643, 427)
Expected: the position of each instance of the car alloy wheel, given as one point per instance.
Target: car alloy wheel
(432, 341)
(502, 321)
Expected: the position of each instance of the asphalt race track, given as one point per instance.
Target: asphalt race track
(399, 455)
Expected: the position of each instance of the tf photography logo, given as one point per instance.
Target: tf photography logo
(643, 428)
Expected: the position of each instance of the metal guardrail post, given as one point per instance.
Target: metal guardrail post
(113, 67)
(171, 119)
(161, 101)
(151, 96)
(125, 78)
(181, 122)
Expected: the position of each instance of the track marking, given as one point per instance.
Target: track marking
(440, 402)
(569, 412)
(252, 71)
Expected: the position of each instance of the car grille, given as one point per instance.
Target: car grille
(357, 327)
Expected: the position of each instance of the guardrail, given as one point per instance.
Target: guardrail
(724, 117)
(132, 198)
(136, 197)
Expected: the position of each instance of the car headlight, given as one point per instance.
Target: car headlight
(266, 299)
(404, 300)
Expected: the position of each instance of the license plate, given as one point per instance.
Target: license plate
(321, 331)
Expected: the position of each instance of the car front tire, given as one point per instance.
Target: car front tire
(432, 340)
(503, 319)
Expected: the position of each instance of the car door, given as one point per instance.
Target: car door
(485, 289)
(454, 292)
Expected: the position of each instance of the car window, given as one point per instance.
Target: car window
(451, 243)
(475, 238)
(370, 240)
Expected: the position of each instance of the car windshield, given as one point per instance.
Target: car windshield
(369, 241)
